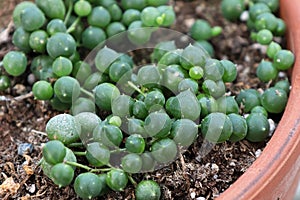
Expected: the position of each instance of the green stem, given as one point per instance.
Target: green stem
(132, 85)
(79, 165)
(151, 141)
(79, 153)
(134, 183)
(40, 161)
(118, 150)
(87, 168)
(88, 93)
(73, 26)
(100, 170)
(79, 144)
(70, 9)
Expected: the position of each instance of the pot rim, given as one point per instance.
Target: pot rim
(275, 174)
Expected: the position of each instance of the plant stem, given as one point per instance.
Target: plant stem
(151, 141)
(78, 144)
(70, 9)
(79, 153)
(78, 165)
(134, 183)
(118, 150)
(73, 26)
(40, 161)
(132, 85)
(84, 91)
(101, 170)
(88, 168)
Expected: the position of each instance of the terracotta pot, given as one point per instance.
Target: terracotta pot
(275, 174)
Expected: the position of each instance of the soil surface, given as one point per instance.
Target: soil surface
(192, 175)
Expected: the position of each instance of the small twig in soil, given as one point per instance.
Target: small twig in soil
(24, 96)
(39, 132)
(38, 195)
(6, 196)
(4, 35)
(184, 170)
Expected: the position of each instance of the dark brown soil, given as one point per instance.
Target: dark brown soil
(193, 175)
